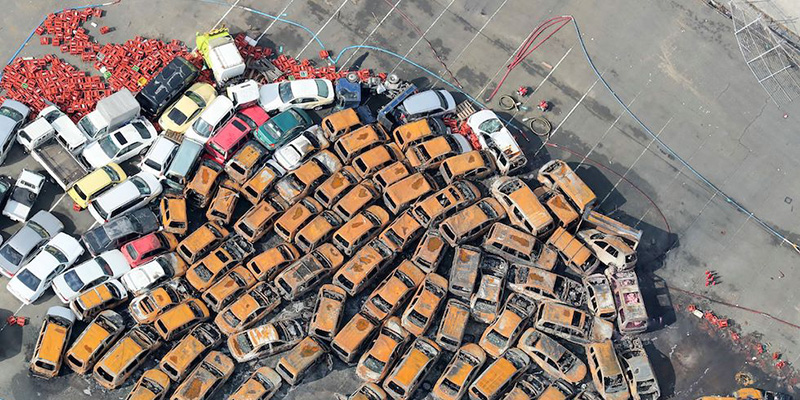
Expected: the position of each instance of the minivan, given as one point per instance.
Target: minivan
(556, 174)
(165, 87)
(183, 163)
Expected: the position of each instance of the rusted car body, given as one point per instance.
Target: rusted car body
(552, 357)
(522, 206)
(453, 324)
(577, 256)
(501, 334)
(459, 373)
(182, 358)
(328, 312)
(471, 222)
(545, 285)
(206, 378)
(272, 261)
(429, 252)
(486, 301)
(203, 185)
(386, 349)
(393, 291)
(201, 241)
(354, 337)
(556, 174)
(248, 309)
(295, 217)
(266, 340)
(95, 339)
(305, 273)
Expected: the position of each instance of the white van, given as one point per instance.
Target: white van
(244, 94)
(214, 116)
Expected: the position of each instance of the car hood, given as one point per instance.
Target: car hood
(268, 97)
(94, 155)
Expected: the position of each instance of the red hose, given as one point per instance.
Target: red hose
(528, 46)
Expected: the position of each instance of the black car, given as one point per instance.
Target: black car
(5, 188)
(165, 87)
(120, 230)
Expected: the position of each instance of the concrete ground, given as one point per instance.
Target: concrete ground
(675, 64)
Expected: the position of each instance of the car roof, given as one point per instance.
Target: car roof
(62, 312)
(217, 109)
(161, 148)
(423, 101)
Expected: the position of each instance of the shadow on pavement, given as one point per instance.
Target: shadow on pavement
(10, 337)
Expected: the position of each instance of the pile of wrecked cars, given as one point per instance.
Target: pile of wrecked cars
(424, 254)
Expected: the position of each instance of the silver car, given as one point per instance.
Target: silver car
(33, 235)
(12, 115)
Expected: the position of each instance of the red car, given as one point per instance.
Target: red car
(233, 134)
(148, 247)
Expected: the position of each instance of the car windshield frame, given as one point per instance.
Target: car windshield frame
(322, 88)
(29, 279)
(141, 185)
(491, 125)
(56, 253)
(108, 146)
(177, 116)
(11, 254)
(202, 128)
(73, 280)
(285, 91)
(142, 129)
(11, 113)
(111, 173)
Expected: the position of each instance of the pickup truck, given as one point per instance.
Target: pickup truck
(62, 165)
(221, 54)
(53, 140)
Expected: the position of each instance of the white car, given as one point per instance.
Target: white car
(147, 275)
(108, 265)
(219, 111)
(303, 93)
(494, 136)
(129, 195)
(427, 104)
(159, 156)
(55, 257)
(292, 154)
(120, 145)
(23, 195)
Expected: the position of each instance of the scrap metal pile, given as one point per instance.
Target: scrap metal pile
(428, 259)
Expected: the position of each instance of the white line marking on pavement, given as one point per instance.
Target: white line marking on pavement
(505, 64)
(58, 202)
(568, 115)
(370, 35)
(634, 163)
(609, 129)
(323, 27)
(477, 34)
(274, 20)
(527, 99)
(226, 14)
(423, 35)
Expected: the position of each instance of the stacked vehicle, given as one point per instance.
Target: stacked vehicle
(260, 208)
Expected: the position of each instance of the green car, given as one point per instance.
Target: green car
(283, 127)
